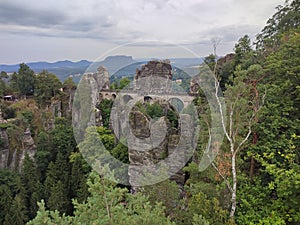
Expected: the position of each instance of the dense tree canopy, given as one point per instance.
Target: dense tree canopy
(47, 86)
(25, 80)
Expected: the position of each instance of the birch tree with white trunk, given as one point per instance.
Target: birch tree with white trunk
(237, 122)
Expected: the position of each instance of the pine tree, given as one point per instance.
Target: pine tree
(31, 185)
(57, 189)
(43, 156)
(5, 202)
(25, 80)
(17, 214)
(58, 199)
(78, 186)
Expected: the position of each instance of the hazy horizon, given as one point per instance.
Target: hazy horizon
(80, 60)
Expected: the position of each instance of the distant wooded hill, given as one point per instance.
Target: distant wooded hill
(119, 66)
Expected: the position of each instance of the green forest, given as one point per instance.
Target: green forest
(255, 179)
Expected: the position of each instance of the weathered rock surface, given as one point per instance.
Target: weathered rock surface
(151, 142)
(12, 157)
(4, 148)
(154, 77)
(85, 101)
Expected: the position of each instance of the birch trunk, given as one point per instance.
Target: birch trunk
(234, 186)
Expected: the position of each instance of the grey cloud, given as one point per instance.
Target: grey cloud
(20, 15)
(81, 31)
(232, 33)
(159, 4)
(87, 26)
(55, 22)
(78, 34)
(150, 43)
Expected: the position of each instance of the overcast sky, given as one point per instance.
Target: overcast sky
(51, 30)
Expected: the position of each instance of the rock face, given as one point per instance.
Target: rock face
(103, 74)
(56, 108)
(155, 68)
(151, 141)
(11, 156)
(4, 144)
(14, 149)
(226, 59)
(4, 149)
(154, 77)
(29, 148)
(194, 85)
(164, 144)
(85, 100)
(140, 124)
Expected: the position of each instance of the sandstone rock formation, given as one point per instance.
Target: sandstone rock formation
(150, 141)
(153, 141)
(86, 98)
(154, 77)
(12, 156)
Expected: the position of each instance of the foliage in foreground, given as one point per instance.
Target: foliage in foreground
(108, 204)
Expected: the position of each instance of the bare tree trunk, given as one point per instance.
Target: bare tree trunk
(234, 186)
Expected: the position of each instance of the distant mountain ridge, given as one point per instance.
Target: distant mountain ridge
(114, 64)
(66, 68)
(45, 65)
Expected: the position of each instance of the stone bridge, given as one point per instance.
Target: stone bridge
(179, 100)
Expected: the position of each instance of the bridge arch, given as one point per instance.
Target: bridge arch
(148, 98)
(177, 103)
(127, 98)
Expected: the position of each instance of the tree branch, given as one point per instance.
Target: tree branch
(224, 178)
(248, 134)
(217, 84)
